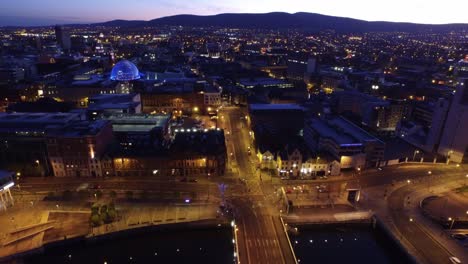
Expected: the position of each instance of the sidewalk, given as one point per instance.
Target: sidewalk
(374, 198)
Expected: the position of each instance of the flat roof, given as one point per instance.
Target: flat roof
(341, 131)
(36, 117)
(266, 107)
(80, 128)
(35, 121)
(132, 128)
(158, 120)
(261, 81)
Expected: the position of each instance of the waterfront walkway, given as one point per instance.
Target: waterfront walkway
(28, 227)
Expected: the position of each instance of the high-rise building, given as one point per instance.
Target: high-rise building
(63, 38)
(454, 142)
(461, 69)
(300, 67)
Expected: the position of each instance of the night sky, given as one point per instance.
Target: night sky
(47, 12)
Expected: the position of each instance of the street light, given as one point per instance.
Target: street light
(452, 222)
(429, 172)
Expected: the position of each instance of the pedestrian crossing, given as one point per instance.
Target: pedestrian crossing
(259, 242)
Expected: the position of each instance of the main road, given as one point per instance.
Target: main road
(261, 237)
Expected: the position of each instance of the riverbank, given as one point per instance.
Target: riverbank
(214, 224)
(199, 242)
(29, 230)
(350, 242)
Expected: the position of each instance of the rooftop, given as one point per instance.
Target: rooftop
(79, 129)
(341, 131)
(137, 122)
(247, 82)
(34, 121)
(269, 107)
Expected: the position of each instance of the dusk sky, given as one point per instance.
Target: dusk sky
(47, 12)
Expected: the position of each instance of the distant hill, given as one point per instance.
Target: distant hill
(279, 20)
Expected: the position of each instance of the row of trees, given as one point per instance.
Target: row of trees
(68, 195)
(103, 214)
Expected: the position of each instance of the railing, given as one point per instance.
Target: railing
(289, 241)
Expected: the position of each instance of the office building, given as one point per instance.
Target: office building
(344, 141)
(77, 149)
(63, 38)
(454, 140)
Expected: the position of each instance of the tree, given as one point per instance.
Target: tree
(95, 220)
(95, 209)
(103, 209)
(111, 215)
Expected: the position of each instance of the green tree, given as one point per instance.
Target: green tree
(103, 209)
(111, 215)
(95, 208)
(95, 220)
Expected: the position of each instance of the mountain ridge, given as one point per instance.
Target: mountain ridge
(282, 20)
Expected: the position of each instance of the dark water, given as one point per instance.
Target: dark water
(345, 244)
(169, 246)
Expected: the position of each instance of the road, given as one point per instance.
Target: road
(261, 238)
(261, 235)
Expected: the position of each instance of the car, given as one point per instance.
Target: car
(455, 260)
(379, 168)
(96, 186)
(183, 180)
(193, 180)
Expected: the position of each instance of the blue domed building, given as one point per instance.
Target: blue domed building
(124, 72)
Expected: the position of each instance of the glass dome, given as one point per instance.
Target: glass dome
(125, 71)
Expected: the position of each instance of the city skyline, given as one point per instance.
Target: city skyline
(50, 12)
